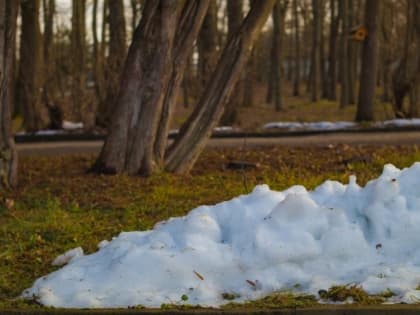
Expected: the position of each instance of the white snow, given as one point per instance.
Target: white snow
(339, 125)
(255, 244)
(68, 256)
(70, 125)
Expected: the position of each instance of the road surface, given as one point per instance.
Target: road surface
(379, 138)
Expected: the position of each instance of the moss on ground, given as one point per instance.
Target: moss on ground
(58, 206)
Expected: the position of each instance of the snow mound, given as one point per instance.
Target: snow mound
(318, 125)
(255, 244)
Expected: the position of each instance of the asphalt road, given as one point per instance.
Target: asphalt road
(359, 138)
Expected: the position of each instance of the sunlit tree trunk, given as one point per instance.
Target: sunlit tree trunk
(315, 53)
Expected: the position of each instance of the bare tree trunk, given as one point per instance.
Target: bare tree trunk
(8, 156)
(278, 15)
(78, 44)
(235, 17)
(369, 63)
(98, 61)
(315, 54)
(344, 63)
(129, 146)
(322, 61)
(30, 76)
(116, 57)
(297, 59)
(207, 44)
(351, 55)
(49, 91)
(191, 19)
(193, 135)
(332, 54)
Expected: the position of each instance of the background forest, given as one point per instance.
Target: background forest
(305, 65)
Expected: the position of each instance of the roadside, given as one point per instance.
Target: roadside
(319, 139)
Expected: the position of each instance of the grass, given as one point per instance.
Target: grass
(57, 206)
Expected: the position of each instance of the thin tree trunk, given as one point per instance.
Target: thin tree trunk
(30, 77)
(193, 135)
(116, 57)
(49, 91)
(98, 62)
(344, 63)
(351, 55)
(278, 15)
(8, 156)
(78, 44)
(332, 54)
(315, 54)
(235, 17)
(369, 64)
(297, 59)
(322, 61)
(207, 44)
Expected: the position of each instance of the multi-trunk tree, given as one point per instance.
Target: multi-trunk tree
(151, 80)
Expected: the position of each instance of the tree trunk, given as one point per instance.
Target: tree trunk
(235, 17)
(78, 45)
(369, 61)
(322, 61)
(49, 91)
(332, 54)
(352, 54)
(8, 156)
(344, 63)
(116, 57)
(190, 21)
(297, 59)
(98, 61)
(30, 76)
(315, 54)
(193, 135)
(278, 16)
(129, 146)
(207, 44)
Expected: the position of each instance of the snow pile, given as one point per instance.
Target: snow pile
(319, 125)
(256, 244)
(414, 122)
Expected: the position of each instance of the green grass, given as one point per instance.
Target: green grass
(57, 206)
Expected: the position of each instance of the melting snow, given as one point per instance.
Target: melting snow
(255, 244)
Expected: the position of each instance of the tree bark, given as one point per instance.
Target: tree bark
(190, 21)
(332, 54)
(78, 45)
(352, 54)
(207, 44)
(278, 16)
(8, 155)
(315, 53)
(193, 135)
(369, 64)
(344, 63)
(98, 61)
(297, 57)
(235, 17)
(115, 61)
(49, 91)
(129, 146)
(30, 76)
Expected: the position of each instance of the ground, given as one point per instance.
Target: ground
(59, 206)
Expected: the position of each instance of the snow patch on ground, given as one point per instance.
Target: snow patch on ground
(339, 125)
(255, 244)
